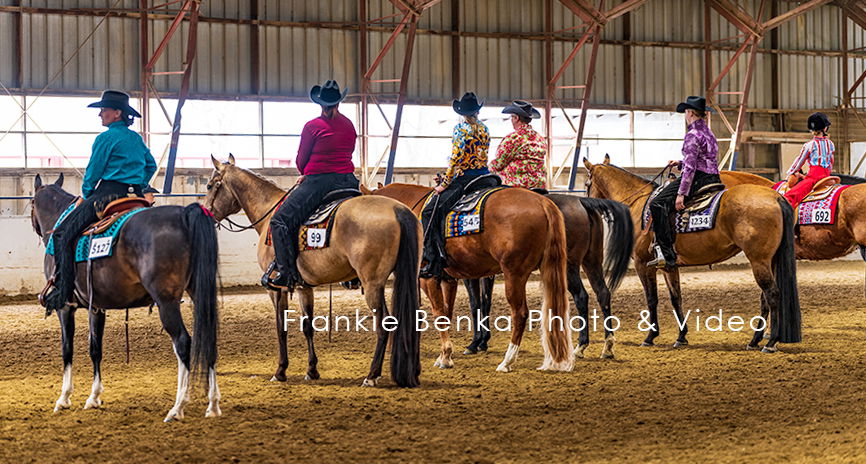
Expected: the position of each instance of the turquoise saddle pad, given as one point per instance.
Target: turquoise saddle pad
(82, 249)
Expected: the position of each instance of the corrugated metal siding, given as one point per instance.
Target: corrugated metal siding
(810, 81)
(817, 29)
(669, 20)
(663, 76)
(294, 58)
(8, 53)
(307, 10)
(502, 69)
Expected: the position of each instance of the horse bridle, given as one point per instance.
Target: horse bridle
(631, 199)
(235, 227)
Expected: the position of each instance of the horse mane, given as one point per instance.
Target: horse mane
(848, 179)
(648, 181)
(259, 176)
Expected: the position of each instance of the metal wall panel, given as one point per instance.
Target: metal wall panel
(669, 20)
(307, 10)
(810, 82)
(8, 51)
(662, 76)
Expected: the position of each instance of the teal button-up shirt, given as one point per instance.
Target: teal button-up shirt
(119, 154)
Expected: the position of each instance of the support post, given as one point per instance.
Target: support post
(401, 99)
(584, 106)
(145, 74)
(364, 81)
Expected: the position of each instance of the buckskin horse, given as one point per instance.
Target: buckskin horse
(523, 231)
(752, 219)
(371, 238)
(159, 253)
(824, 241)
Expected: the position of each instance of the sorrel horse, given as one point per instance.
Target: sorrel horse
(370, 239)
(159, 253)
(585, 241)
(825, 241)
(751, 219)
(523, 231)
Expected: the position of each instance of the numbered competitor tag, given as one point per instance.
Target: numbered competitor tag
(821, 216)
(471, 223)
(701, 221)
(100, 247)
(316, 238)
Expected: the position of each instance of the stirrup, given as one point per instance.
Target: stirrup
(44, 293)
(660, 262)
(271, 277)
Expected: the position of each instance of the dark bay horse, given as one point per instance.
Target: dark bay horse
(371, 238)
(584, 231)
(160, 253)
(523, 231)
(752, 219)
(824, 241)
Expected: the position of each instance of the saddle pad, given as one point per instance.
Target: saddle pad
(102, 243)
(645, 214)
(820, 208)
(49, 248)
(697, 221)
(315, 232)
(466, 216)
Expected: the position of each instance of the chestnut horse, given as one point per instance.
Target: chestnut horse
(825, 241)
(522, 231)
(158, 254)
(751, 219)
(371, 238)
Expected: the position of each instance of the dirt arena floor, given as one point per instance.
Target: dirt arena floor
(712, 401)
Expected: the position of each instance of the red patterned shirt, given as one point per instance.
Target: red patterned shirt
(520, 158)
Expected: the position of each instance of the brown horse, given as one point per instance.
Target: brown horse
(522, 231)
(819, 241)
(371, 238)
(752, 219)
(159, 253)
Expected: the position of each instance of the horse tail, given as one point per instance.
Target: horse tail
(556, 328)
(203, 285)
(863, 252)
(405, 302)
(620, 240)
(785, 268)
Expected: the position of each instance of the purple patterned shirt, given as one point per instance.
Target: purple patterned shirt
(700, 151)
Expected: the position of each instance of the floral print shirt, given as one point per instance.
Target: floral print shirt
(520, 158)
(469, 146)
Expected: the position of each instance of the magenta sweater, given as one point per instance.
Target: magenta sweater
(327, 146)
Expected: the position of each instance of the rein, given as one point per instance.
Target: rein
(638, 195)
(422, 199)
(235, 227)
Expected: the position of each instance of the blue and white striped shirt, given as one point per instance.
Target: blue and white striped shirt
(819, 151)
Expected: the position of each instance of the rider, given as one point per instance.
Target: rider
(120, 165)
(468, 161)
(819, 153)
(699, 168)
(325, 163)
(521, 154)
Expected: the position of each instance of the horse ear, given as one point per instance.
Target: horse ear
(216, 163)
(587, 164)
(363, 188)
(380, 185)
(59, 181)
(606, 159)
(231, 159)
(37, 182)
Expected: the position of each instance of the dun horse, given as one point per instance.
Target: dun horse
(159, 253)
(751, 219)
(523, 231)
(370, 239)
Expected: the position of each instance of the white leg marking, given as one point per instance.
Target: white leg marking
(510, 357)
(368, 382)
(66, 390)
(94, 400)
(607, 351)
(213, 395)
(182, 392)
(579, 351)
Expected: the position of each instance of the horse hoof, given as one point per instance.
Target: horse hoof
(437, 363)
(607, 355)
(173, 416)
(579, 351)
(92, 403)
(647, 344)
(468, 351)
(370, 382)
(312, 376)
(279, 378)
(678, 343)
(769, 349)
(504, 368)
(62, 404)
(752, 348)
(446, 366)
(213, 411)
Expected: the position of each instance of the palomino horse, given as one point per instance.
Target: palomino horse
(825, 241)
(584, 231)
(751, 219)
(159, 253)
(370, 239)
(522, 231)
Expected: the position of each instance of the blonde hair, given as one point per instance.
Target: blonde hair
(471, 118)
(819, 133)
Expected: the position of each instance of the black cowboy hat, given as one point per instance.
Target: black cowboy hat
(694, 103)
(468, 104)
(818, 121)
(116, 100)
(522, 108)
(328, 94)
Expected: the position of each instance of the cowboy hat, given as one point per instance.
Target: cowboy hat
(328, 94)
(468, 104)
(522, 108)
(694, 103)
(116, 100)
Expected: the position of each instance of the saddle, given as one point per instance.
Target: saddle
(701, 200)
(113, 211)
(329, 204)
(540, 191)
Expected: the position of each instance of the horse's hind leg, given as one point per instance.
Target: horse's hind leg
(375, 296)
(515, 293)
(581, 301)
(595, 274)
(441, 295)
(486, 303)
(649, 281)
(770, 297)
(306, 299)
(97, 328)
(281, 304)
(172, 322)
(672, 278)
(67, 334)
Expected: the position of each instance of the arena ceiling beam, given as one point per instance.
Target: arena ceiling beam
(754, 30)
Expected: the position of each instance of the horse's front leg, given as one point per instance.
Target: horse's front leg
(648, 279)
(281, 304)
(97, 328)
(305, 297)
(473, 289)
(672, 279)
(67, 334)
(486, 303)
(375, 296)
(581, 301)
